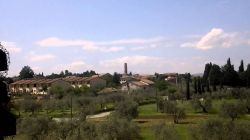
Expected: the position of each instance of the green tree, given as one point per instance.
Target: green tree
(248, 75)
(85, 131)
(109, 79)
(116, 79)
(57, 91)
(34, 128)
(26, 73)
(206, 73)
(215, 76)
(127, 109)
(170, 107)
(204, 104)
(232, 110)
(118, 129)
(160, 85)
(199, 86)
(164, 132)
(188, 80)
(30, 105)
(218, 129)
(230, 76)
(195, 85)
(241, 67)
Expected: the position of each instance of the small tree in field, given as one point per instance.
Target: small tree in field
(164, 132)
(232, 110)
(170, 107)
(202, 104)
(30, 105)
(127, 109)
(219, 129)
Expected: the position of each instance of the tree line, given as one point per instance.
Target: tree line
(215, 76)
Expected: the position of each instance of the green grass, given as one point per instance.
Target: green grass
(148, 110)
(149, 117)
(147, 133)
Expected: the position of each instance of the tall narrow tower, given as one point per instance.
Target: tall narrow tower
(125, 69)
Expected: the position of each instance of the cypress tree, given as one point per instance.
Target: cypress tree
(199, 86)
(215, 76)
(230, 76)
(248, 75)
(195, 85)
(241, 67)
(188, 79)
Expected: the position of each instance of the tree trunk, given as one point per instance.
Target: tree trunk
(204, 109)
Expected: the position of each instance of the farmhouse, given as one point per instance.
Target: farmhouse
(40, 86)
(137, 84)
(36, 86)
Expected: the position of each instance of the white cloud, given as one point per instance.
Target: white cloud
(149, 64)
(106, 46)
(33, 57)
(218, 38)
(11, 47)
(76, 66)
(137, 64)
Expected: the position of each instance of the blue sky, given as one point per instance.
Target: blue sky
(150, 35)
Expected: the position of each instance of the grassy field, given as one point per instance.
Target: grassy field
(149, 117)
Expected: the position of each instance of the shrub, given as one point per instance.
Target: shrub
(127, 109)
(232, 110)
(164, 132)
(170, 107)
(118, 129)
(204, 104)
(218, 129)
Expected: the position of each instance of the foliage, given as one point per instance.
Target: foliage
(26, 73)
(241, 67)
(232, 110)
(164, 132)
(85, 130)
(170, 107)
(217, 129)
(204, 104)
(57, 91)
(188, 80)
(127, 109)
(116, 79)
(34, 128)
(215, 76)
(30, 105)
(118, 129)
(248, 75)
(161, 85)
(230, 76)
(195, 85)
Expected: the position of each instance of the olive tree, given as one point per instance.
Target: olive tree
(127, 109)
(219, 129)
(232, 110)
(118, 129)
(34, 128)
(170, 107)
(164, 132)
(204, 104)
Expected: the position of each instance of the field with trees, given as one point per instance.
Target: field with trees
(215, 106)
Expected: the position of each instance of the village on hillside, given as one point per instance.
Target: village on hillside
(129, 82)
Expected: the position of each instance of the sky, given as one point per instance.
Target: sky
(150, 35)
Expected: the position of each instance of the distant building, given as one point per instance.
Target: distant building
(36, 86)
(41, 86)
(137, 84)
(171, 77)
(94, 81)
